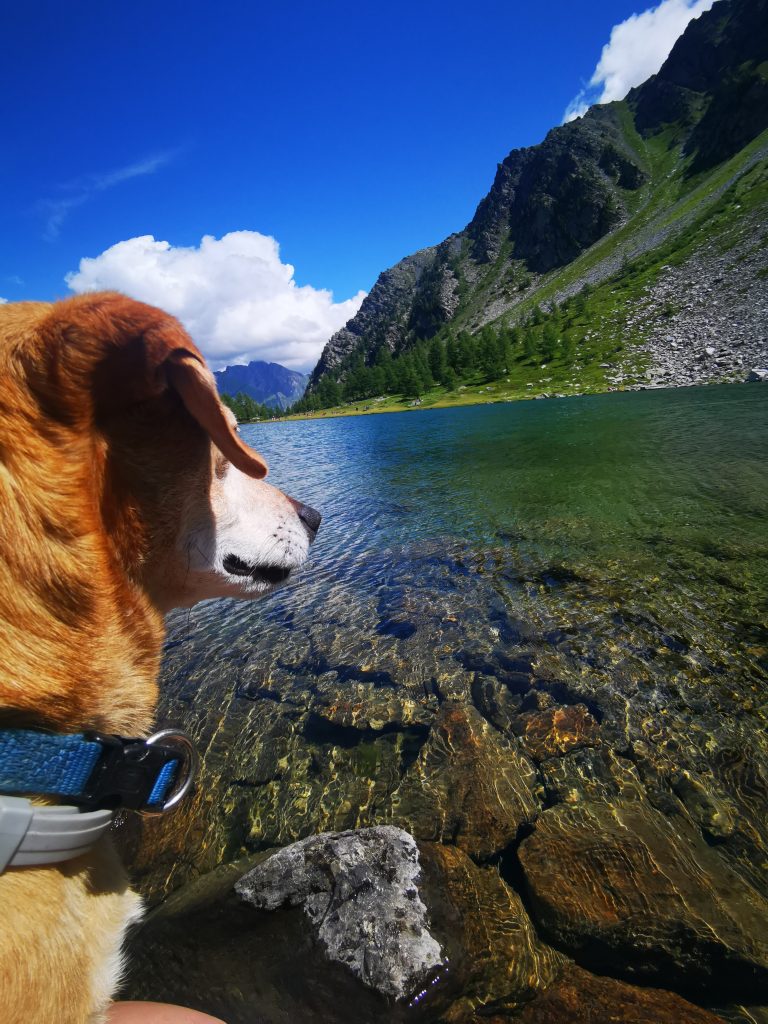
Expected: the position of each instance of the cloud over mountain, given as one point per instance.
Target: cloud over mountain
(636, 50)
(234, 295)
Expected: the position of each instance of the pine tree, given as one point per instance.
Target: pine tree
(549, 340)
(490, 355)
(568, 348)
(378, 381)
(437, 360)
(328, 393)
(530, 348)
(421, 366)
(468, 353)
(453, 354)
(450, 380)
(413, 386)
(403, 367)
(386, 363)
(252, 410)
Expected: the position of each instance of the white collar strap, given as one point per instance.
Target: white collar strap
(35, 836)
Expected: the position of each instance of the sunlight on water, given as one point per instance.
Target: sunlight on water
(610, 551)
(663, 496)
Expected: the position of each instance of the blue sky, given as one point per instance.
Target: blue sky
(352, 134)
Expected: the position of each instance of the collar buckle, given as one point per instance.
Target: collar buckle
(150, 776)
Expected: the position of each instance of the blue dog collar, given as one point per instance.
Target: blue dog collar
(97, 771)
(90, 771)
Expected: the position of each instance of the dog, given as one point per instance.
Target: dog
(125, 491)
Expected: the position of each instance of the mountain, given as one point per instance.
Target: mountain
(649, 209)
(268, 383)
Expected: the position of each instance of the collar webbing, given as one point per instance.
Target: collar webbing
(39, 762)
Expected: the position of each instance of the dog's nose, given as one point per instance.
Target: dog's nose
(310, 517)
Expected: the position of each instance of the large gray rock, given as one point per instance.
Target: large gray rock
(359, 891)
(209, 947)
(758, 375)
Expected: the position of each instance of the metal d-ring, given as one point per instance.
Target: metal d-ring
(189, 764)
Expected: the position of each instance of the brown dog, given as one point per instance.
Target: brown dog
(124, 492)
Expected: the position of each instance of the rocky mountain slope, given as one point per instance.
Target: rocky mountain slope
(268, 383)
(639, 197)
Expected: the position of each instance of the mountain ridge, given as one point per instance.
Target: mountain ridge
(596, 193)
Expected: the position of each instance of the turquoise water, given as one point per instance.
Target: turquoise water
(605, 475)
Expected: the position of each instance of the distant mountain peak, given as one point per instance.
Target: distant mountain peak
(267, 383)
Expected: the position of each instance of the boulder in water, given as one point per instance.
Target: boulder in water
(359, 890)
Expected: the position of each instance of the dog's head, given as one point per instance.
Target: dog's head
(183, 499)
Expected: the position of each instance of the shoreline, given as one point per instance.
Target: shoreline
(501, 397)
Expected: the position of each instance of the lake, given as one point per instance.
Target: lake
(603, 559)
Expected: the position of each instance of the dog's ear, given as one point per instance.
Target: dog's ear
(194, 383)
(122, 353)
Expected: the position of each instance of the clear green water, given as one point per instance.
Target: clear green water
(610, 550)
(657, 500)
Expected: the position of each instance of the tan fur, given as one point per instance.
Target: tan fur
(100, 462)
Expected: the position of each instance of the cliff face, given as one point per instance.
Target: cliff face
(383, 316)
(546, 205)
(600, 184)
(268, 383)
(552, 201)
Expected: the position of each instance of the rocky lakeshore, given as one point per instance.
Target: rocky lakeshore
(515, 774)
(396, 929)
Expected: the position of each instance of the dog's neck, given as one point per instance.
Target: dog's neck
(81, 641)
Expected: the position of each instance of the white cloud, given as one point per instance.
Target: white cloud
(79, 191)
(234, 295)
(2, 301)
(577, 107)
(636, 50)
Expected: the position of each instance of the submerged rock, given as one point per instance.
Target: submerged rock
(556, 731)
(359, 891)
(582, 998)
(623, 887)
(497, 961)
(469, 785)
